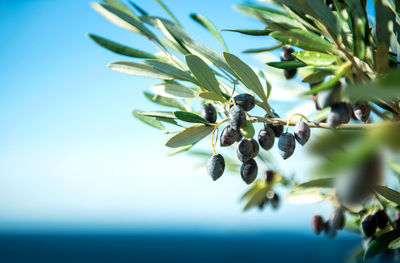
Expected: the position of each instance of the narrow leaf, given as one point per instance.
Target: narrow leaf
(250, 32)
(202, 20)
(313, 58)
(203, 73)
(189, 136)
(381, 243)
(176, 91)
(170, 70)
(161, 100)
(166, 9)
(148, 120)
(139, 70)
(389, 194)
(119, 48)
(189, 117)
(246, 75)
(286, 64)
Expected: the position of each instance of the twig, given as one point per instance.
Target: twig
(279, 121)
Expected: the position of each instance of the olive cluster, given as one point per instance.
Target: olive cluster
(371, 222)
(287, 141)
(271, 197)
(341, 112)
(330, 228)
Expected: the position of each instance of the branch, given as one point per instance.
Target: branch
(278, 121)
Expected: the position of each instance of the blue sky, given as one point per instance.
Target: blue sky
(72, 155)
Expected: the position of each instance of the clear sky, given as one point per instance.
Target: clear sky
(71, 153)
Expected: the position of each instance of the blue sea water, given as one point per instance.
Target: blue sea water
(175, 247)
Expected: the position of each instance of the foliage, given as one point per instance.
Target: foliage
(345, 56)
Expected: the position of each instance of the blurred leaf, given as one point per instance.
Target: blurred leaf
(211, 96)
(305, 196)
(325, 15)
(300, 38)
(203, 73)
(383, 18)
(256, 197)
(137, 8)
(161, 100)
(394, 166)
(251, 32)
(320, 115)
(246, 75)
(202, 20)
(138, 69)
(189, 136)
(170, 70)
(395, 244)
(176, 91)
(148, 120)
(268, 13)
(122, 19)
(253, 188)
(189, 117)
(180, 150)
(328, 84)
(166, 9)
(320, 183)
(120, 49)
(389, 194)
(315, 58)
(381, 243)
(286, 64)
(162, 114)
(359, 27)
(122, 7)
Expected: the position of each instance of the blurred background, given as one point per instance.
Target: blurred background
(81, 180)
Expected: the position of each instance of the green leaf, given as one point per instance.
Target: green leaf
(203, 73)
(121, 7)
(161, 114)
(256, 197)
(394, 166)
(122, 19)
(211, 96)
(319, 183)
(139, 70)
(189, 117)
(300, 38)
(247, 130)
(315, 75)
(189, 136)
(313, 58)
(137, 8)
(389, 194)
(166, 9)
(180, 150)
(383, 19)
(325, 16)
(253, 188)
(286, 64)
(170, 70)
(119, 48)
(328, 84)
(175, 91)
(202, 20)
(269, 14)
(381, 243)
(246, 75)
(161, 100)
(250, 32)
(148, 120)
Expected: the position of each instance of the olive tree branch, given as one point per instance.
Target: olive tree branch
(312, 124)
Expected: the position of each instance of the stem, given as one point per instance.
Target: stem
(278, 121)
(212, 135)
(290, 119)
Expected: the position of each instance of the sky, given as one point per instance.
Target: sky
(71, 153)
